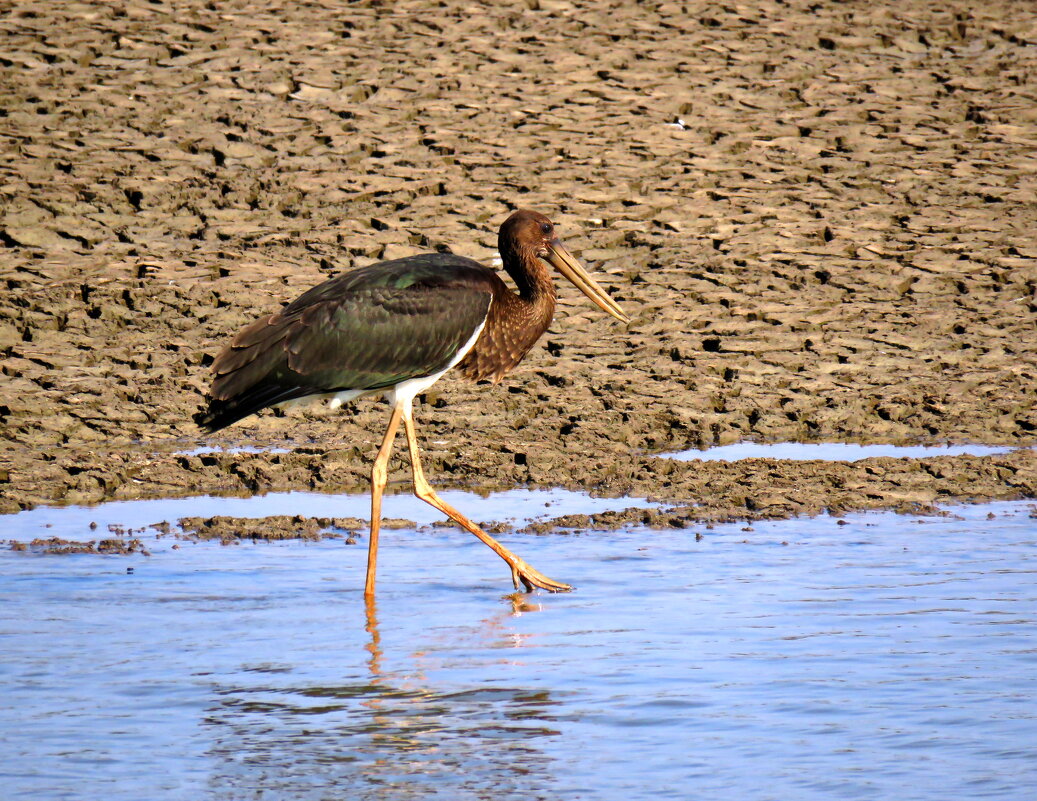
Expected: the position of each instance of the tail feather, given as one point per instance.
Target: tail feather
(222, 413)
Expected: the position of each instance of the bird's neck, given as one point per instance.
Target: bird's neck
(516, 320)
(536, 290)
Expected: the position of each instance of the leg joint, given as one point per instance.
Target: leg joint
(425, 492)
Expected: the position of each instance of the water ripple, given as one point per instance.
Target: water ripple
(840, 666)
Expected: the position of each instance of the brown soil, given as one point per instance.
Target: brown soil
(836, 244)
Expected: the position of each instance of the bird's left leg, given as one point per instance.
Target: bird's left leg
(520, 570)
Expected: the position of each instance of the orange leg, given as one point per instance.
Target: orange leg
(379, 477)
(520, 570)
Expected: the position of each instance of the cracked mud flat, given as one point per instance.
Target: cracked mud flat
(835, 245)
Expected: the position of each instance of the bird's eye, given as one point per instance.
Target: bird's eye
(545, 228)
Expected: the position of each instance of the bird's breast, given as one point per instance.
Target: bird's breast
(512, 328)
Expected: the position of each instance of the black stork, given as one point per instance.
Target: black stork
(395, 328)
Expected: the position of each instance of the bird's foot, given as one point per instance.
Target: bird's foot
(523, 574)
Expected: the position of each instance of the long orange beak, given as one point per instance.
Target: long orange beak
(563, 261)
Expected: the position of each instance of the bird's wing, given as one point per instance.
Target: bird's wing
(366, 329)
(379, 337)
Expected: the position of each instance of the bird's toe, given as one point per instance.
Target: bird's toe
(531, 578)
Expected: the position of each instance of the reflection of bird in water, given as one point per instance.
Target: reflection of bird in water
(424, 715)
(404, 715)
(395, 328)
(520, 604)
(374, 647)
(490, 635)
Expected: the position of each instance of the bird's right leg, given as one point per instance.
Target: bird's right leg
(521, 571)
(379, 478)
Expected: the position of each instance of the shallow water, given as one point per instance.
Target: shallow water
(889, 658)
(829, 451)
(514, 506)
(201, 450)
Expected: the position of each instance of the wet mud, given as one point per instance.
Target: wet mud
(226, 528)
(115, 546)
(819, 218)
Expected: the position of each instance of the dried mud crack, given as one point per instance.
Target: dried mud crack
(820, 219)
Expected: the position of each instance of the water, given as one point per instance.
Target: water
(206, 449)
(514, 506)
(890, 658)
(829, 451)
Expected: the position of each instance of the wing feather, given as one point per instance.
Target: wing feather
(363, 330)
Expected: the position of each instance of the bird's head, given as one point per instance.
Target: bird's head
(528, 234)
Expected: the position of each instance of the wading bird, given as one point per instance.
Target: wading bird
(395, 328)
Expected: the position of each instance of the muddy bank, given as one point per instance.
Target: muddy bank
(58, 546)
(835, 242)
(276, 527)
